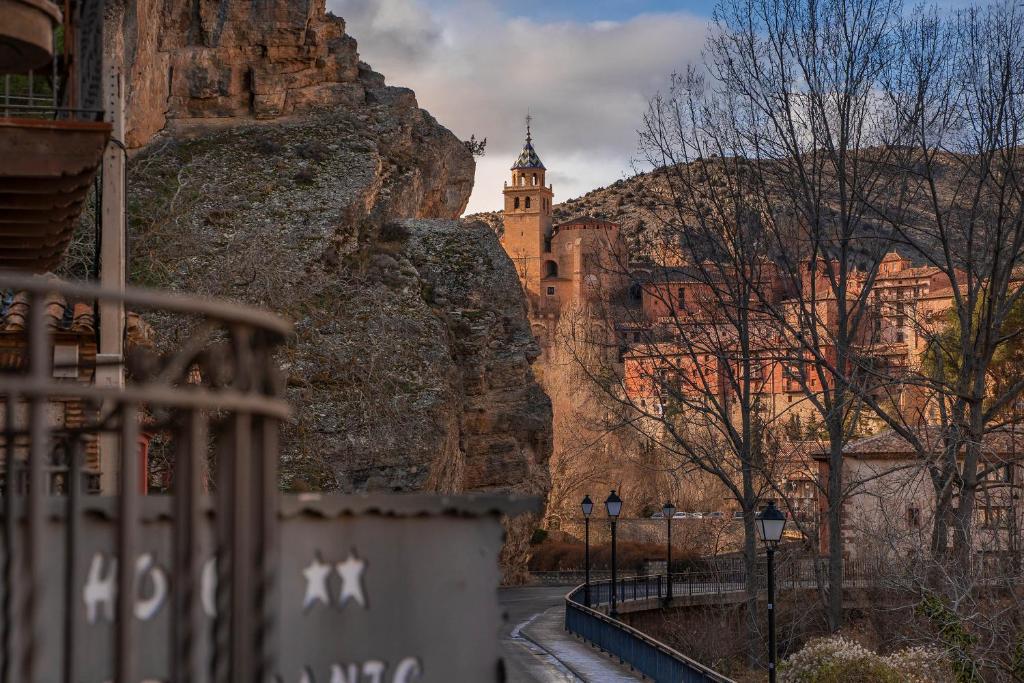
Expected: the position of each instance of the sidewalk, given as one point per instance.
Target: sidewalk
(589, 664)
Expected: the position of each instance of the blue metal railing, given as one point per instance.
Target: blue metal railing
(645, 654)
(714, 581)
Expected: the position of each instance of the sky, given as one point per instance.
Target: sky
(584, 70)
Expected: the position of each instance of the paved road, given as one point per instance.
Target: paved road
(537, 649)
(524, 661)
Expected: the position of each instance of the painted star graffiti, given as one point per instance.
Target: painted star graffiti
(351, 573)
(316, 583)
(317, 574)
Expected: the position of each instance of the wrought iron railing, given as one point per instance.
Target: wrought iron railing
(588, 608)
(643, 653)
(726, 579)
(37, 96)
(212, 398)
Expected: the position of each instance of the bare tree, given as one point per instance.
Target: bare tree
(697, 363)
(958, 99)
(785, 100)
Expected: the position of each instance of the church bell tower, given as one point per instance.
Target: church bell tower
(527, 215)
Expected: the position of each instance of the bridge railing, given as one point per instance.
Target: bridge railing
(650, 657)
(718, 580)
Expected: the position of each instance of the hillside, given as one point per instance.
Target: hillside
(643, 206)
(628, 202)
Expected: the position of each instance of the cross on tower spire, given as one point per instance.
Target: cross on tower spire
(529, 119)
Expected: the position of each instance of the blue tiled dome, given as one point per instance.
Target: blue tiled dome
(528, 157)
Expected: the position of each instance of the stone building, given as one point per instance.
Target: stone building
(528, 229)
(73, 348)
(558, 265)
(891, 494)
(672, 328)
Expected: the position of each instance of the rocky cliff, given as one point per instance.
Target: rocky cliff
(280, 171)
(190, 62)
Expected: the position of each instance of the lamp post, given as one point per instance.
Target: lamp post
(588, 507)
(613, 505)
(770, 524)
(669, 510)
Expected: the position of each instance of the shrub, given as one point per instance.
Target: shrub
(314, 151)
(393, 231)
(922, 664)
(267, 146)
(839, 660)
(304, 176)
(954, 635)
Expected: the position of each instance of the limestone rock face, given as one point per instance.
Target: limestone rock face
(189, 60)
(410, 366)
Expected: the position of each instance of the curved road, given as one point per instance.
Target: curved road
(539, 611)
(524, 661)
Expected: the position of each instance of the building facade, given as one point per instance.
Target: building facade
(892, 498)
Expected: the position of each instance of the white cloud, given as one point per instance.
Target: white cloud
(478, 71)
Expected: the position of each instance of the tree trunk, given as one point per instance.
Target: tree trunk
(835, 530)
(963, 514)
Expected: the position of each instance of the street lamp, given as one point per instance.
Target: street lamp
(669, 510)
(588, 507)
(770, 524)
(613, 505)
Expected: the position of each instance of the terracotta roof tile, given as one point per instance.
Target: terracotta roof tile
(586, 219)
(69, 317)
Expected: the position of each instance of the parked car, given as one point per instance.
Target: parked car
(697, 515)
(715, 515)
(679, 515)
(737, 514)
(659, 515)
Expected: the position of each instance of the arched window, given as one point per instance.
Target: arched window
(515, 203)
(550, 269)
(527, 202)
(534, 178)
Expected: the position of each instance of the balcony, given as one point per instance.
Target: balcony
(52, 155)
(44, 181)
(26, 34)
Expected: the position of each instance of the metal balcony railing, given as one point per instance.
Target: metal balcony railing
(36, 96)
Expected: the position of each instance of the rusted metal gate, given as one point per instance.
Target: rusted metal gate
(223, 578)
(214, 397)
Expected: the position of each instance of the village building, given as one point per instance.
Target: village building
(73, 351)
(561, 267)
(672, 331)
(891, 498)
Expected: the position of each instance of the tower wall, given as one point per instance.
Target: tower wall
(528, 228)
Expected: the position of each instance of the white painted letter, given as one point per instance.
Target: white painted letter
(99, 589)
(375, 670)
(338, 674)
(145, 609)
(408, 670)
(208, 589)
